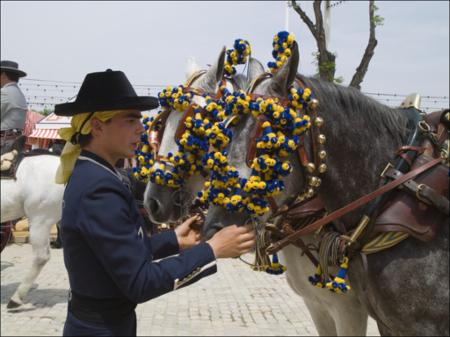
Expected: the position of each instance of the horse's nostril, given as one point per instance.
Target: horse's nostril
(153, 206)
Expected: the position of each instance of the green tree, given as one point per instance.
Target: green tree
(46, 111)
(326, 60)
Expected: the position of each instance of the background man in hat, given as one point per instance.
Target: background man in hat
(109, 259)
(13, 105)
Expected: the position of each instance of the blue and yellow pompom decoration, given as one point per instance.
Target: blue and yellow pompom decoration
(208, 129)
(176, 98)
(144, 154)
(238, 55)
(191, 146)
(209, 132)
(282, 44)
(338, 284)
(275, 267)
(279, 139)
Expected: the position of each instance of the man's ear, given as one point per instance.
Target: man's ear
(96, 125)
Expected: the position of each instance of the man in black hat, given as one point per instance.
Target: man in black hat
(14, 105)
(108, 256)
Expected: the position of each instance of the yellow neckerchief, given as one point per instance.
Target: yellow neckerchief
(71, 151)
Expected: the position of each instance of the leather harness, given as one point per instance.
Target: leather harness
(430, 195)
(428, 149)
(155, 137)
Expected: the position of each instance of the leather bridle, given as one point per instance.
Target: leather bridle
(309, 164)
(155, 137)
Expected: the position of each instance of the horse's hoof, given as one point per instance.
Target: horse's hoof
(13, 304)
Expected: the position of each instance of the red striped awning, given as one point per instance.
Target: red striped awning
(45, 134)
(30, 121)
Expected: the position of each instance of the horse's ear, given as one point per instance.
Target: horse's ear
(215, 73)
(285, 76)
(192, 67)
(255, 69)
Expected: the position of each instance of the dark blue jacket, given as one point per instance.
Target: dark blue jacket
(106, 251)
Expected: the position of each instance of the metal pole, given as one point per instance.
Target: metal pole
(286, 17)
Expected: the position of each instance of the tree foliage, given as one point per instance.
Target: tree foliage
(326, 60)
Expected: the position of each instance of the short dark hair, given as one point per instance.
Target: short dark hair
(84, 140)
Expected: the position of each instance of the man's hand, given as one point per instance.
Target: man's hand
(232, 241)
(187, 236)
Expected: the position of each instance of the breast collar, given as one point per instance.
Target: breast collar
(93, 158)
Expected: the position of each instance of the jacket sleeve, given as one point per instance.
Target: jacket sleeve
(163, 244)
(105, 221)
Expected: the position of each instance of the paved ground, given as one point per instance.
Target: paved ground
(236, 301)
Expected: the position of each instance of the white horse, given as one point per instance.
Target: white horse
(168, 205)
(35, 195)
(332, 314)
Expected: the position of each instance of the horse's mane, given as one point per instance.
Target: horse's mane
(349, 103)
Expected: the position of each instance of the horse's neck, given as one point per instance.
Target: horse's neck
(357, 150)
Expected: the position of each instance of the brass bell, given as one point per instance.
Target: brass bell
(313, 181)
(318, 122)
(318, 182)
(321, 139)
(322, 154)
(323, 168)
(310, 193)
(311, 167)
(313, 104)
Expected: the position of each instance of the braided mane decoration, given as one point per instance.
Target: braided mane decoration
(282, 43)
(208, 133)
(238, 55)
(205, 130)
(280, 138)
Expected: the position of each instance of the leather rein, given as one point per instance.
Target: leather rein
(397, 179)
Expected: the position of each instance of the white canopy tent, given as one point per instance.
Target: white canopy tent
(47, 130)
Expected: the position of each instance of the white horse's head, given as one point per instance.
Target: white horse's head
(165, 204)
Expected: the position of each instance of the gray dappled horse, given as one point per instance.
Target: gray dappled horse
(165, 204)
(405, 288)
(332, 315)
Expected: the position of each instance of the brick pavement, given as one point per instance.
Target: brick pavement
(235, 301)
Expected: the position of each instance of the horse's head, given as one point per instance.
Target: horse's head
(239, 154)
(166, 204)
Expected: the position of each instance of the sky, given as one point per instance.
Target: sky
(62, 41)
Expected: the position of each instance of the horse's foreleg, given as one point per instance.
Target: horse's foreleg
(333, 314)
(350, 316)
(39, 239)
(323, 322)
(322, 319)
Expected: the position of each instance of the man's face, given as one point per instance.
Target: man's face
(122, 133)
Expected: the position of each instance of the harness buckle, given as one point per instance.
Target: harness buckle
(419, 196)
(388, 166)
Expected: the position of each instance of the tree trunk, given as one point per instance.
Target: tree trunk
(325, 59)
(369, 52)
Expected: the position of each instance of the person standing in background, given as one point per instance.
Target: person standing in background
(13, 105)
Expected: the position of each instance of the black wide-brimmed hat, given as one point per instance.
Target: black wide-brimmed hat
(12, 67)
(103, 91)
